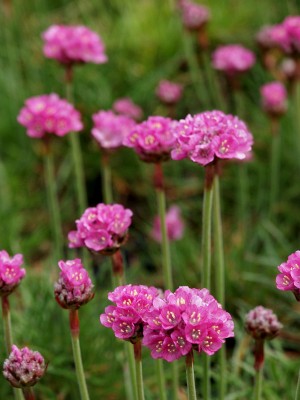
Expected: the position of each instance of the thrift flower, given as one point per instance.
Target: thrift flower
(262, 323)
(10, 272)
(126, 106)
(264, 37)
(110, 129)
(210, 135)
(74, 287)
(24, 367)
(49, 114)
(152, 139)
(289, 277)
(194, 16)
(73, 44)
(102, 229)
(126, 317)
(174, 222)
(274, 98)
(169, 92)
(184, 320)
(233, 59)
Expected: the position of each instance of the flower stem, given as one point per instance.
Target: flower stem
(28, 393)
(258, 384)
(258, 366)
(117, 269)
(161, 379)
(76, 151)
(138, 370)
(106, 180)
(74, 327)
(297, 395)
(54, 205)
(132, 374)
(190, 378)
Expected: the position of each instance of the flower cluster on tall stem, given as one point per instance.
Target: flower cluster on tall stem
(289, 276)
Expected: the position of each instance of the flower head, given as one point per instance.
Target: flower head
(194, 16)
(10, 272)
(126, 317)
(289, 277)
(152, 139)
(102, 228)
(24, 367)
(174, 222)
(262, 323)
(184, 320)
(110, 129)
(210, 135)
(233, 59)
(73, 44)
(125, 106)
(49, 114)
(274, 98)
(169, 92)
(74, 287)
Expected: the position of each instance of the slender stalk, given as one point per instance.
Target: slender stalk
(74, 327)
(106, 180)
(28, 393)
(190, 378)
(76, 151)
(117, 269)
(275, 162)
(258, 366)
(161, 379)
(54, 205)
(297, 395)
(8, 337)
(131, 363)
(138, 370)
(258, 384)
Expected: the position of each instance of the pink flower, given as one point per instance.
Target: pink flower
(262, 323)
(10, 272)
(110, 129)
(49, 114)
(174, 222)
(74, 287)
(233, 59)
(264, 37)
(193, 15)
(126, 318)
(280, 37)
(102, 228)
(73, 44)
(274, 98)
(184, 320)
(289, 277)
(169, 92)
(152, 139)
(126, 106)
(24, 367)
(211, 134)
(287, 34)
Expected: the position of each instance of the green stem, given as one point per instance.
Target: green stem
(138, 370)
(275, 160)
(74, 327)
(190, 378)
(132, 374)
(54, 205)
(117, 269)
(297, 395)
(28, 393)
(258, 384)
(76, 152)
(161, 379)
(106, 181)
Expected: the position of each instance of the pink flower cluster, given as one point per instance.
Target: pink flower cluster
(152, 139)
(74, 287)
(262, 323)
(169, 92)
(10, 272)
(233, 59)
(289, 277)
(274, 98)
(184, 320)
(125, 106)
(73, 44)
(102, 228)
(193, 15)
(287, 34)
(110, 129)
(211, 134)
(174, 222)
(126, 318)
(49, 114)
(24, 367)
